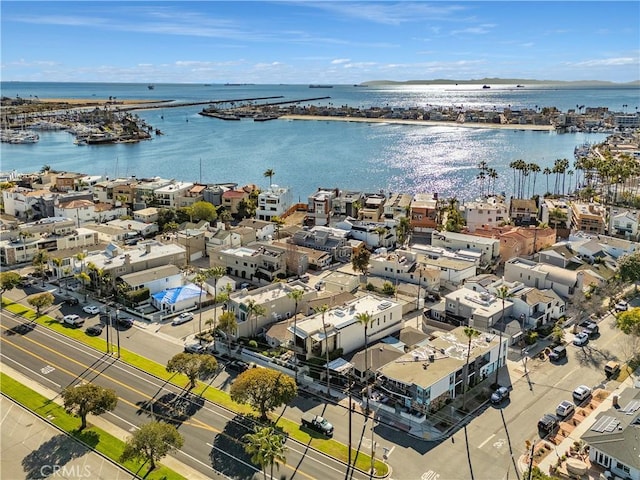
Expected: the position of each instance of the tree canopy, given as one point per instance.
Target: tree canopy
(203, 211)
(629, 267)
(9, 281)
(629, 322)
(264, 389)
(40, 301)
(360, 261)
(193, 365)
(151, 442)
(88, 398)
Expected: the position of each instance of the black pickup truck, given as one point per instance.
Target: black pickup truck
(317, 423)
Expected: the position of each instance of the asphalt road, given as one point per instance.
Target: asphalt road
(487, 448)
(211, 432)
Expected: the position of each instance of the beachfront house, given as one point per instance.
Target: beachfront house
(273, 202)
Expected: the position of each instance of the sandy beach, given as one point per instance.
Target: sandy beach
(430, 123)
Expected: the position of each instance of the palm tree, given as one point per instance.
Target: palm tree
(322, 310)
(58, 263)
(470, 333)
(256, 310)
(229, 325)
(216, 273)
(269, 173)
(403, 230)
(365, 319)
(200, 279)
(502, 293)
(547, 172)
(296, 295)
(39, 261)
(266, 447)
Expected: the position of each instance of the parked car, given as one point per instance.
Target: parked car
(581, 393)
(611, 369)
(125, 322)
(499, 395)
(581, 339)
(558, 353)
(621, 306)
(547, 424)
(591, 329)
(237, 366)
(73, 320)
(71, 301)
(91, 309)
(94, 330)
(182, 318)
(194, 348)
(565, 409)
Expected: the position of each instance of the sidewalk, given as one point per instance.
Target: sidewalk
(168, 461)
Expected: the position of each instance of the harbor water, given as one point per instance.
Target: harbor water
(306, 155)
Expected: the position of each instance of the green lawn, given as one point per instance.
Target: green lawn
(94, 437)
(332, 448)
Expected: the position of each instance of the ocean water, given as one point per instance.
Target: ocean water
(306, 155)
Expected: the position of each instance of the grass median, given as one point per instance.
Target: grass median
(330, 447)
(93, 437)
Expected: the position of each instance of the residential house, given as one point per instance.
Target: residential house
(299, 259)
(50, 225)
(173, 195)
(256, 263)
(65, 182)
(142, 229)
(348, 203)
(213, 193)
(320, 206)
(523, 211)
(231, 199)
(325, 239)
(426, 378)
(556, 212)
(338, 327)
(404, 266)
(264, 230)
(86, 211)
(373, 234)
(489, 248)
(18, 250)
(338, 281)
(145, 191)
(542, 276)
(146, 215)
(372, 207)
(588, 217)
(178, 299)
(276, 301)
(614, 436)
(488, 213)
(194, 242)
(118, 261)
(424, 212)
(26, 203)
(156, 279)
(623, 222)
(397, 206)
(273, 202)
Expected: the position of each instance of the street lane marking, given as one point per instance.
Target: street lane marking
(487, 440)
(30, 370)
(192, 422)
(46, 370)
(430, 475)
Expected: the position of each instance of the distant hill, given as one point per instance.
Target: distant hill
(501, 81)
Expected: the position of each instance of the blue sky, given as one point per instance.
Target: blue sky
(318, 42)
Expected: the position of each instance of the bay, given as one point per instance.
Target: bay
(306, 155)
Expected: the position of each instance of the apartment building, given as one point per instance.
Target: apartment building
(424, 212)
(273, 202)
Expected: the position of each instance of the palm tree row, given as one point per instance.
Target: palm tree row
(491, 175)
(607, 174)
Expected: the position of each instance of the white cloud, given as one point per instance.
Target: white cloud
(339, 61)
